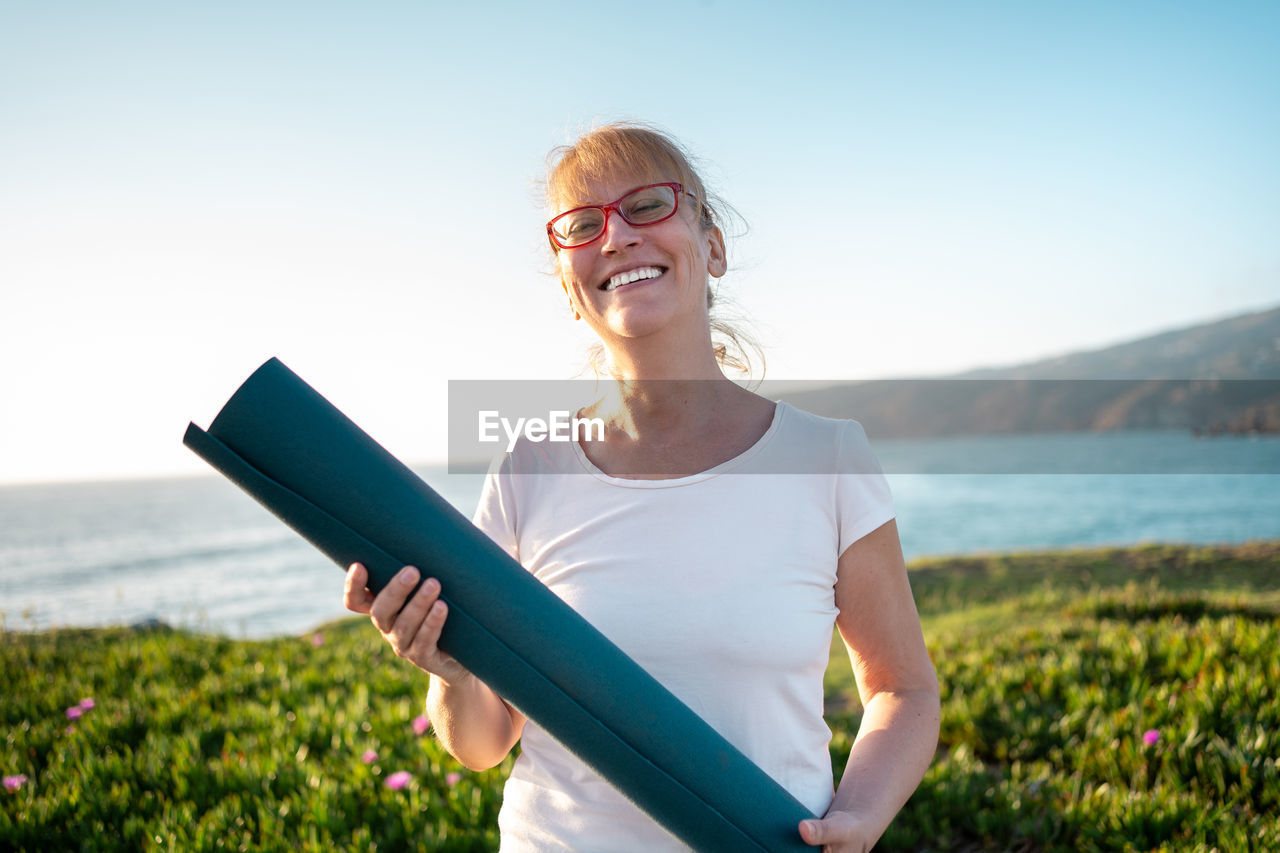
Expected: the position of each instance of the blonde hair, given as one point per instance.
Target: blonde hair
(647, 155)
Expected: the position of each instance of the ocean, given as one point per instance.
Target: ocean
(197, 553)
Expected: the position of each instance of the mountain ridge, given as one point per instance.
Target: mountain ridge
(1212, 378)
(1242, 346)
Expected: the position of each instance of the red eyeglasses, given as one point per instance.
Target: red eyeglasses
(647, 205)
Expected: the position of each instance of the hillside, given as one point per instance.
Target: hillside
(1097, 700)
(1243, 347)
(1220, 377)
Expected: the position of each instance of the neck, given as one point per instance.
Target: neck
(673, 354)
(667, 381)
(685, 397)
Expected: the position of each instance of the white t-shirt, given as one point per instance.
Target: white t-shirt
(720, 584)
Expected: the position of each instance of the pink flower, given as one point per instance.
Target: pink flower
(452, 779)
(369, 756)
(75, 712)
(317, 639)
(1151, 737)
(87, 704)
(420, 724)
(13, 783)
(398, 780)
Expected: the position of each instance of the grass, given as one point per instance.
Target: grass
(1053, 668)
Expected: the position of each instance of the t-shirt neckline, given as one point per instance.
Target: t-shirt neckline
(689, 479)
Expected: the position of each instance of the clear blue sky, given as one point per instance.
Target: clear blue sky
(187, 189)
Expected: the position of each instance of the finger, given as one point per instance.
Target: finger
(388, 602)
(812, 832)
(425, 644)
(410, 619)
(355, 596)
(837, 831)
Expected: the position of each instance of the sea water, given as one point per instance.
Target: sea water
(197, 553)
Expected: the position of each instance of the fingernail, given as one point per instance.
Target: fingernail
(409, 576)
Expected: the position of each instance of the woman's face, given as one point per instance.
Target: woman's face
(636, 281)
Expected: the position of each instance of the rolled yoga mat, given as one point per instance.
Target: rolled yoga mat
(301, 458)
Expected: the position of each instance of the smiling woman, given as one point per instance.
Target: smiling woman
(663, 182)
(713, 535)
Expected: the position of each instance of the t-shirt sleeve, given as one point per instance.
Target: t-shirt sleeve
(863, 499)
(496, 512)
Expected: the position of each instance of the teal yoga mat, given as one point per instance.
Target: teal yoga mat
(301, 458)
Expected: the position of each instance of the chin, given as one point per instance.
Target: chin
(634, 324)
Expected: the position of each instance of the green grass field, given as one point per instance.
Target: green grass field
(1118, 699)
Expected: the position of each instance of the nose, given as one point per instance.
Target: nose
(618, 234)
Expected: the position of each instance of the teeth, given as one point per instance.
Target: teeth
(632, 275)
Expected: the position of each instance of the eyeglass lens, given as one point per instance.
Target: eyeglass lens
(645, 206)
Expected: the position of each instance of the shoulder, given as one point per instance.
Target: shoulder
(530, 457)
(529, 472)
(809, 443)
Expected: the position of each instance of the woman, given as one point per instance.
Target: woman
(714, 535)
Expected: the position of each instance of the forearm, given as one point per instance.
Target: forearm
(472, 721)
(894, 747)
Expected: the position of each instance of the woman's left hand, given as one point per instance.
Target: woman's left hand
(838, 832)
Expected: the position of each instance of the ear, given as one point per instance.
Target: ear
(572, 308)
(717, 259)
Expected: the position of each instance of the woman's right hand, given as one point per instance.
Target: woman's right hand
(472, 721)
(413, 628)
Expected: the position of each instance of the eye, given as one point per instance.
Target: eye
(647, 209)
(578, 225)
(649, 205)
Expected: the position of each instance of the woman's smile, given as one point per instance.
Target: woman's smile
(636, 275)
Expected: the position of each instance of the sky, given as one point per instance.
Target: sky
(187, 189)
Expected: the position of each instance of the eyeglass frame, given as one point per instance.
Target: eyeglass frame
(676, 187)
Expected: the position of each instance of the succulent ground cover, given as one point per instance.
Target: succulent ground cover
(1117, 699)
